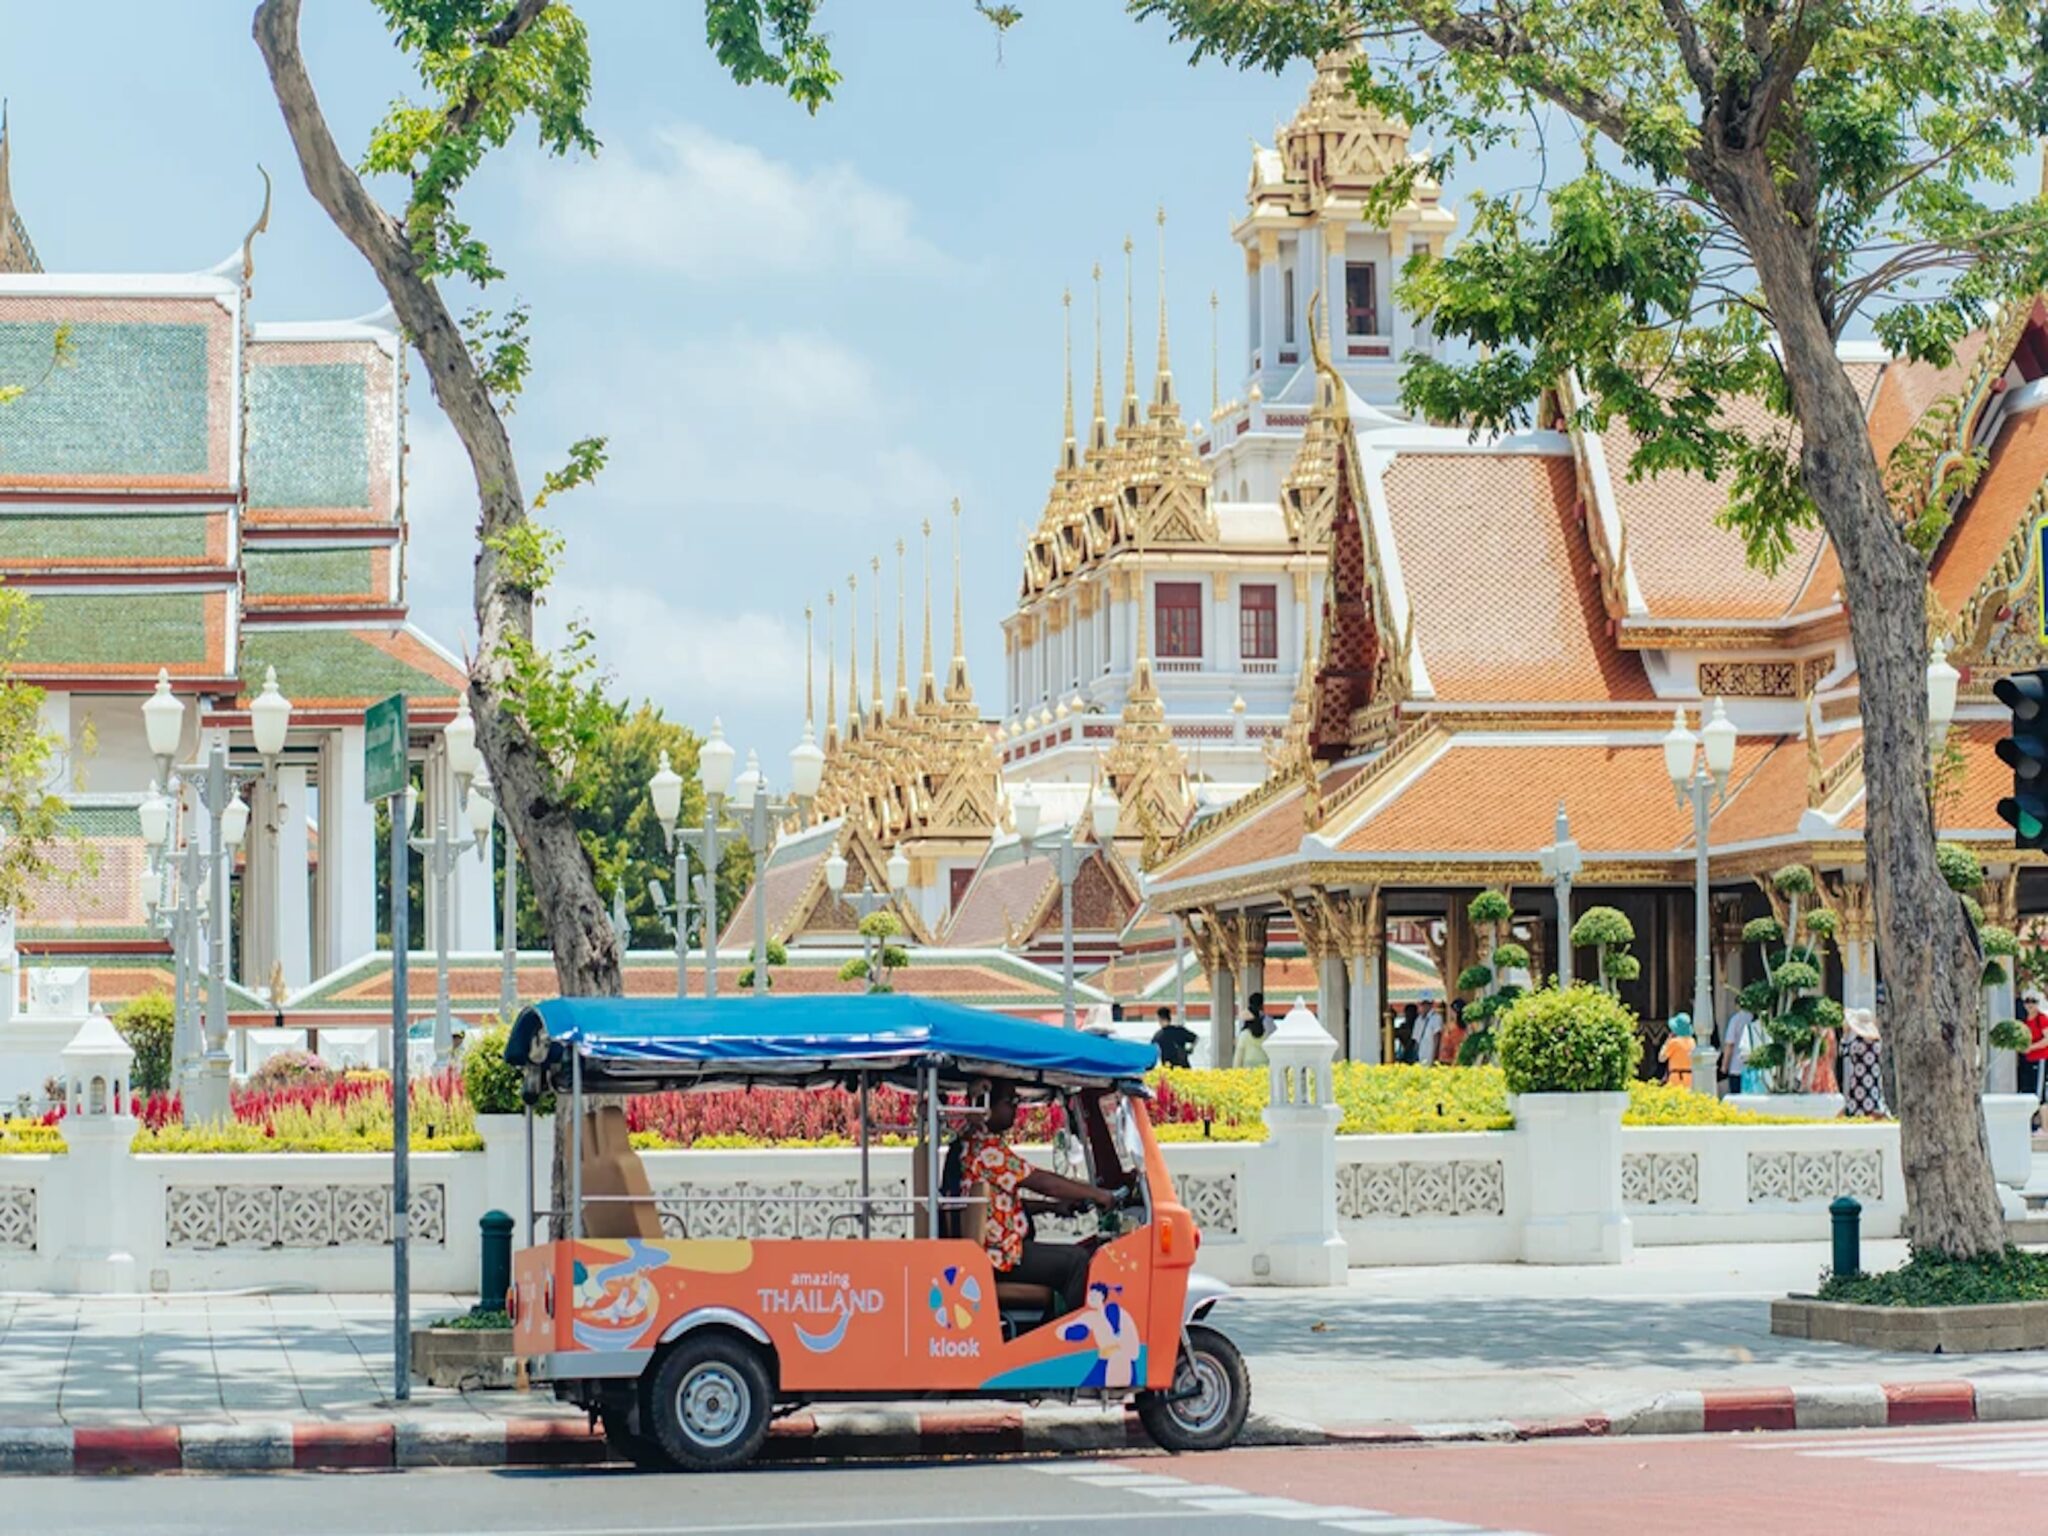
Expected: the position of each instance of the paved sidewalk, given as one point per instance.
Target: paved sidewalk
(1466, 1345)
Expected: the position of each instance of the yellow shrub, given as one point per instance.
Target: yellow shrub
(29, 1136)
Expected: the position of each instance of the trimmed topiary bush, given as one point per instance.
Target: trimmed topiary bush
(491, 1082)
(147, 1024)
(1961, 868)
(1572, 1040)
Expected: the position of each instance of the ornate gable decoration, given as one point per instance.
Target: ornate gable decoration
(1334, 144)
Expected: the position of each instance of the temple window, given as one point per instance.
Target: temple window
(1258, 622)
(1361, 300)
(1287, 305)
(1179, 610)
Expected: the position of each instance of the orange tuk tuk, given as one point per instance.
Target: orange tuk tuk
(686, 1347)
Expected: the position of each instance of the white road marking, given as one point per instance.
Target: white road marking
(1214, 1499)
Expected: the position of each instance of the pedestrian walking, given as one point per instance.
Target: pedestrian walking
(1676, 1052)
(1251, 1035)
(1862, 1082)
(1735, 1047)
(1453, 1036)
(1175, 1042)
(1404, 1033)
(1428, 1030)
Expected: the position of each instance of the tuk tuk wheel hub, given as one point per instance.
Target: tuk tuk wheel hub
(713, 1404)
(1201, 1395)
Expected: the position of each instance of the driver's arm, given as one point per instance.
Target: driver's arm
(1051, 1184)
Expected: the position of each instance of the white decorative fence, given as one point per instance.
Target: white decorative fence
(101, 1218)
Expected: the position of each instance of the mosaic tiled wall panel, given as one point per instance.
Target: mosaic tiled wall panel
(31, 539)
(311, 573)
(137, 401)
(146, 629)
(308, 436)
(338, 664)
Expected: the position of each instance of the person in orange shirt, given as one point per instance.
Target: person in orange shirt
(1448, 1043)
(1677, 1052)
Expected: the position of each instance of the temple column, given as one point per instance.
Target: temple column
(1365, 933)
(1223, 646)
(1222, 1015)
(1331, 988)
(1254, 927)
(1334, 293)
(348, 848)
(1252, 301)
(1270, 296)
(1397, 323)
(292, 891)
(259, 888)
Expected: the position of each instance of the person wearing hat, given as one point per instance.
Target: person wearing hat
(1676, 1053)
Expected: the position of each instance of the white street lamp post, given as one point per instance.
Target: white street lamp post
(665, 789)
(462, 761)
(760, 811)
(1699, 767)
(1562, 862)
(204, 1063)
(1027, 812)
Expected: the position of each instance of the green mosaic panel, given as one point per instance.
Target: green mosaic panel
(307, 572)
(308, 436)
(137, 536)
(333, 664)
(151, 628)
(132, 400)
(102, 821)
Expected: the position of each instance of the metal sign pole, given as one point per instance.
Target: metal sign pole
(386, 773)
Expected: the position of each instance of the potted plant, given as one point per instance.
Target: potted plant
(1568, 1055)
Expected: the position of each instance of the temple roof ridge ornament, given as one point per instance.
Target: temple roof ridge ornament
(17, 251)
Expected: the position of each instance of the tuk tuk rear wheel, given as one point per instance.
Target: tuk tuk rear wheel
(708, 1402)
(1205, 1408)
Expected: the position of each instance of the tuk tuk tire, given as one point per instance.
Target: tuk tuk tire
(709, 1400)
(1214, 1418)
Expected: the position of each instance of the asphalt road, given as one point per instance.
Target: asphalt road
(1866, 1483)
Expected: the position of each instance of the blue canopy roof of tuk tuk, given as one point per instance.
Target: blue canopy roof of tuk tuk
(799, 1036)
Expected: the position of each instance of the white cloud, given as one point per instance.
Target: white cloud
(692, 662)
(708, 207)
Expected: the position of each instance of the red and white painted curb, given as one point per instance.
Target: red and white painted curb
(991, 1430)
(1729, 1410)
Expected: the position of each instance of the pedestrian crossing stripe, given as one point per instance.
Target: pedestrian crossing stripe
(2016, 1452)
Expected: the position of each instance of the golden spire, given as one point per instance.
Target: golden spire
(959, 691)
(902, 650)
(1069, 455)
(1098, 436)
(1215, 338)
(927, 688)
(854, 713)
(1162, 387)
(1130, 412)
(875, 704)
(831, 676)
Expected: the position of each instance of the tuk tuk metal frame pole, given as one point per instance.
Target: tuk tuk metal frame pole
(931, 1120)
(866, 1216)
(529, 1175)
(576, 1147)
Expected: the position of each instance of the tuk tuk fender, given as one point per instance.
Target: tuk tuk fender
(719, 1317)
(1204, 1291)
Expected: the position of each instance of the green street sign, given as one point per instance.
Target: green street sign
(384, 757)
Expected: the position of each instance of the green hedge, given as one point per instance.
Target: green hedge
(1572, 1040)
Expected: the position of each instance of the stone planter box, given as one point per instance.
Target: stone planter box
(463, 1357)
(2010, 1325)
(2008, 1128)
(1790, 1106)
(1576, 1212)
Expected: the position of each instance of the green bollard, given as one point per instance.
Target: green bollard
(1847, 1215)
(497, 1262)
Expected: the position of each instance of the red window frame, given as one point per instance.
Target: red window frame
(1258, 622)
(1361, 310)
(1177, 618)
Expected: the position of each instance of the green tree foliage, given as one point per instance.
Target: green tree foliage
(492, 1083)
(1797, 1020)
(146, 1023)
(1608, 931)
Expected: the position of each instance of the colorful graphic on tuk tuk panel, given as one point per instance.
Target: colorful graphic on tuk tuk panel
(1103, 1345)
(955, 1299)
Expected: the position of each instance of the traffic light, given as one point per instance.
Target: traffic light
(2025, 751)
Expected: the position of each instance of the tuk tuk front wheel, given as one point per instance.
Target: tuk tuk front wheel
(709, 1401)
(1205, 1408)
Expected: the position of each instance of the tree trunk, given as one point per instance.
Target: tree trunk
(586, 951)
(1931, 971)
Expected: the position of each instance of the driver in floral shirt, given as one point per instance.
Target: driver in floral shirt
(986, 1159)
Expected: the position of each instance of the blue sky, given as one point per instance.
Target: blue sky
(803, 335)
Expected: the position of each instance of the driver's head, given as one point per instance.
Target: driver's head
(1002, 1106)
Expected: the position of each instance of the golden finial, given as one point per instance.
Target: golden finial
(927, 688)
(958, 690)
(1130, 415)
(875, 676)
(1067, 373)
(853, 709)
(1162, 387)
(1098, 435)
(831, 674)
(1215, 340)
(902, 657)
